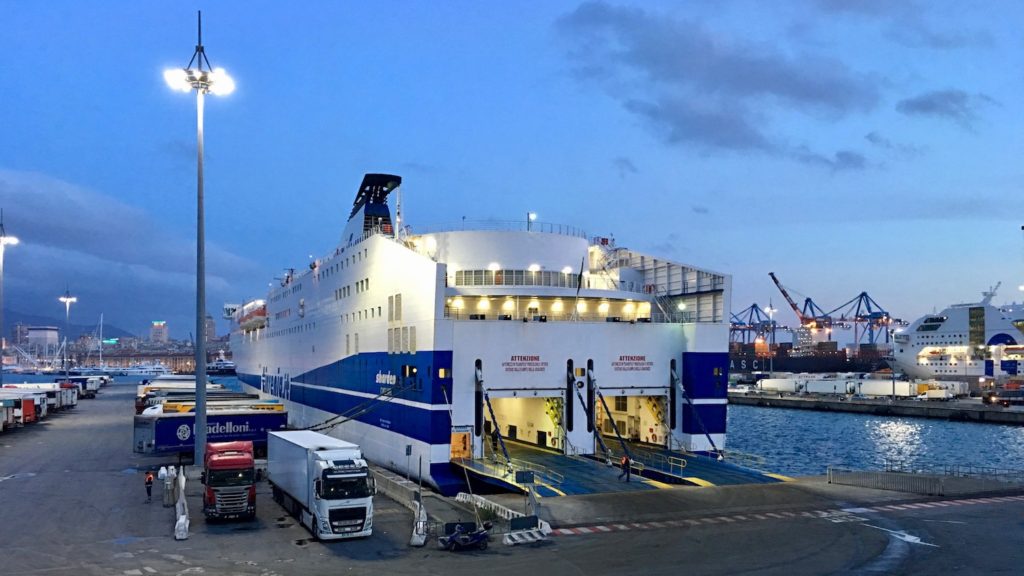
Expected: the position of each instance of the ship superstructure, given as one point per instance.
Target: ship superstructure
(418, 346)
(977, 342)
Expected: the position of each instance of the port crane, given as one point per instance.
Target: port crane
(751, 323)
(811, 316)
(862, 310)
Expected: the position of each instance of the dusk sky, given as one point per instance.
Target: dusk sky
(846, 145)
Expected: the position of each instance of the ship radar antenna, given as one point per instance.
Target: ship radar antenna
(987, 296)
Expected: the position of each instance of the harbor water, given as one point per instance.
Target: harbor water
(806, 442)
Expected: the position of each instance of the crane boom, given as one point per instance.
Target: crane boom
(792, 304)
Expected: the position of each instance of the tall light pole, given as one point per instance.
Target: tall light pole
(5, 240)
(203, 81)
(892, 367)
(771, 343)
(67, 299)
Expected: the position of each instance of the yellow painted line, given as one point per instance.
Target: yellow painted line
(552, 488)
(659, 485)
(698, 481)
(780, 477)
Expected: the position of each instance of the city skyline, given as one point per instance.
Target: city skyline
(845, 146)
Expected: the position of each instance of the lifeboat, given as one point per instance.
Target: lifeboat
(253, 316)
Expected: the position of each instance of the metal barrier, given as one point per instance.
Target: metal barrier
(507, 470)
(751, 461)
(643, 459)
(539, 471)
(895, 481)
(964, 478)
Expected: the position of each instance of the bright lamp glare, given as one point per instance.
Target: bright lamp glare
(220, 83)
(8, 240)
(177, 79)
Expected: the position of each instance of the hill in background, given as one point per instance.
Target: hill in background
(12, 317)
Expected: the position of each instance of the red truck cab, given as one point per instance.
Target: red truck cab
(229, 473)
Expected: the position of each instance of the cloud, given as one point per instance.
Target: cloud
(624, 166)
(907, 23)
(840, 161)
(955, 105)
(916, 34)
(680, 121)
(119, 259)
(904, 150)
(698, 88)
(862, 7)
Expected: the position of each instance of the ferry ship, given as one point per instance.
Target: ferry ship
(420, 346)
(977, 342)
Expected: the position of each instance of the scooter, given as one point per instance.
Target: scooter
(462, 540)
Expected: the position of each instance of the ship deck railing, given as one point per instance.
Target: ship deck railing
(655, 318)
(506, 226)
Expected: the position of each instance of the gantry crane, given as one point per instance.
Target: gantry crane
(812, 316)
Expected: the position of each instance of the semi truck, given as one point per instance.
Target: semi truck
(322, 481)
(175, 432)
(229, 477)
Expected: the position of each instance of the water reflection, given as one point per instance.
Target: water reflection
(803, 443)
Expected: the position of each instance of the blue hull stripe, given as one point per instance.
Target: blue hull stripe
(412, 377)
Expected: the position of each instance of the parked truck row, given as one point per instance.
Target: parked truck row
(25, 403)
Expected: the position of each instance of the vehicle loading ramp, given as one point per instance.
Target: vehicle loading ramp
(555, 473)
(699, 470)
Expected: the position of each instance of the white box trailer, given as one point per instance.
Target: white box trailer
(323, 481)
(29, 405)
(7, 419)
(839, 385)
(58, 396)
(88, 386)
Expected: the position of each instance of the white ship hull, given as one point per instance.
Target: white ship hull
(411, 348)
(978, 343)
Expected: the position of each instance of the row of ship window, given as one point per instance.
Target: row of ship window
(323, 273)
(292, 330)
(346, 291)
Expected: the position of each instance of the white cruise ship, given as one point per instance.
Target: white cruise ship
(417, 346)
(978, 343)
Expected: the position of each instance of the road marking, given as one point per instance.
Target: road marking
(148, 569)
(904, 536)
(832, 515)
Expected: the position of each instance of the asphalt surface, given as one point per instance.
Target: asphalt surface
(72, 501)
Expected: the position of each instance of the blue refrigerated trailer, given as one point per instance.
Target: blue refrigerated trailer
(175, 432)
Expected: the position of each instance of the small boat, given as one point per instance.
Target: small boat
(221, 367)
